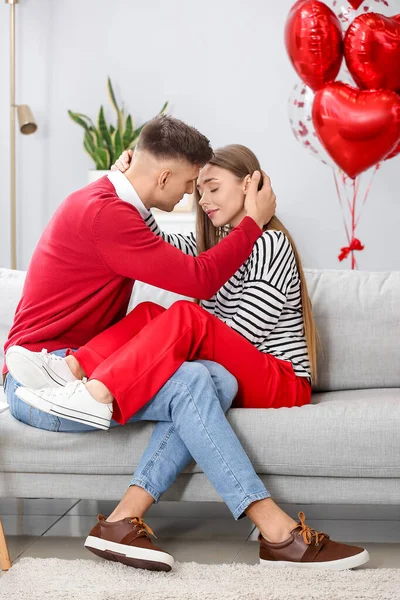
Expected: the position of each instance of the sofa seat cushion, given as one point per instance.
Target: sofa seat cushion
(352, 433)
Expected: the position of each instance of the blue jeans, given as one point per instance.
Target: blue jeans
(191, 423)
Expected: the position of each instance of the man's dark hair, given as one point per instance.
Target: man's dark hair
(167, 137)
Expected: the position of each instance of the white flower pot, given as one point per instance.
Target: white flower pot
(95, 175)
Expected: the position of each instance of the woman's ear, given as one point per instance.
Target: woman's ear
(246, 183)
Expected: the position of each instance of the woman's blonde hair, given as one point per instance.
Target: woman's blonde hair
(241, 161)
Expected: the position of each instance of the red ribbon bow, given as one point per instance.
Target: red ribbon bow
(355, 245)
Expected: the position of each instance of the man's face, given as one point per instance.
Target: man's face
(177, 179)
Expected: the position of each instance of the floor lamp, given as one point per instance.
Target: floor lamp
(27, 125)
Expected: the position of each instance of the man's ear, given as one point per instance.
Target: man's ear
(164, 177)
(246, 183)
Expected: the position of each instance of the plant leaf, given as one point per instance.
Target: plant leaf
(76, 117)
(97, 135)
(137, 133)
(103, 128)
(133, 142)
(121, 122)
(91, 153)
(164, 108)
(129, 132)
(102, 157)
(112, 95)
(117, 143)
(85, 117)
(90, 141)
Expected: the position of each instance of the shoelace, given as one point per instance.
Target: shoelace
(68, 389)
(138, 522)
(307, 532)
(46, 356)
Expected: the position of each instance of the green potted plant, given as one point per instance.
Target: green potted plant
(105, 142)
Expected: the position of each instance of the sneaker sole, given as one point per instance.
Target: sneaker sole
(30, 371)
(61, 411)
(335, 565)
(133, 556)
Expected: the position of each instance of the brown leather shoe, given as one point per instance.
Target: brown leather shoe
(128, 541)
(310, 549)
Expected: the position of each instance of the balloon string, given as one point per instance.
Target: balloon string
(355, 186)
(368, 191)
(341, 204)
(344, 177)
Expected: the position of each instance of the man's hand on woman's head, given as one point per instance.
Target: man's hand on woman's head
(122, 163)
(260, 205)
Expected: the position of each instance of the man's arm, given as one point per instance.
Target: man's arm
(127, 247)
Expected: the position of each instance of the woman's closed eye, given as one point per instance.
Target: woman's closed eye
(216, 190)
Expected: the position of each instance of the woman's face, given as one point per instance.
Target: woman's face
(222, 195)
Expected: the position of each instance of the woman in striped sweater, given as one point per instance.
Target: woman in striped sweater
(266, 301)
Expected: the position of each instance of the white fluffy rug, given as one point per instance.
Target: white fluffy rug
(57, 579)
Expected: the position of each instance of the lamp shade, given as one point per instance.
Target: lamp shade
(26, 119)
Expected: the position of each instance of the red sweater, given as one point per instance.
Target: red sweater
(81, 274)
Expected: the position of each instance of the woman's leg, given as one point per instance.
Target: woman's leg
(137, 370)
(92, 354)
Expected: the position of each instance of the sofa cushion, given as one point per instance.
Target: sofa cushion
(341, 434)
(11, 284)
(358, 320)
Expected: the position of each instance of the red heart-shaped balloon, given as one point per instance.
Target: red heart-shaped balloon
(394, 152)
(372, 51)
(355, 3)
(357, 128)
(314, 42)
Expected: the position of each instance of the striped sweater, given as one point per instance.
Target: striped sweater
(262, 300)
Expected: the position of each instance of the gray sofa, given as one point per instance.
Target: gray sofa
(343, 448)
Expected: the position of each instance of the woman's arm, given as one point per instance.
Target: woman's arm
(186, 243)
(271, 267)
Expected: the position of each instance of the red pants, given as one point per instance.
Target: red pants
(135, 357)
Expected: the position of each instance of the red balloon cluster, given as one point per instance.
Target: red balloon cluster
(359, 127)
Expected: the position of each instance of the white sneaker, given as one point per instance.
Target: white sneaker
(38, 369)
(71, 402)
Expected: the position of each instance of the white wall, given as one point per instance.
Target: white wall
(223, 67)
